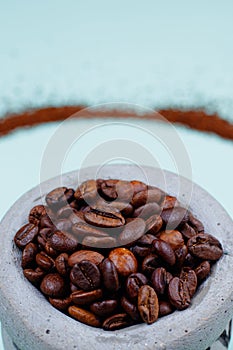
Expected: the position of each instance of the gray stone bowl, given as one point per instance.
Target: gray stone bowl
(31, 323)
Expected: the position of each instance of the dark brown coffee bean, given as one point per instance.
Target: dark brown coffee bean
(132, 231)
(117, 321)
(172, 218)
(53, 285)
(140, 251)
(47, 221)
(76, 217)
(189, 277)
(130, 309)
(34, 276)
(59, 197)
(36, 213)
(29, 255)
(125, 208)
(109, 275)
(61, 264)
(205, 246)
(191, 261)
(150, 263)
(146, 196)
(187, 231)
(165, 308)
(181, 254)
(99, 242)
(146, 240)
(87, 191)
(82, 229)
(148, 304)
(164, 251)
(173, 238)
(84, 316)
(44, 261)
(159, 280)
(88, 255)
(63, 242)
(50, 251)
(73, 288)
(196, 224)
(60, 304)
(85, 275)
(63, 225)
(104, 308)
(147, 210)
(169, 202)
(133, 284)
(116, 189)
(154, 224)
(65, 212)
(82, 297)
(202, 270)
(178, 294)
(104, 217)
(124, 260)
(138, 186)
(25, 235)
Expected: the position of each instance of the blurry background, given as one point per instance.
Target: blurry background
(153, 53)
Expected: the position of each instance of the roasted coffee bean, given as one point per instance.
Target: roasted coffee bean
(130, 309)
(25, 235)
(87, 191)
(109, 275)
(191, 261)
(164, 251)
(172, 218)
(147, 210)
(34, 276)
(125, 208)
(140, 251)
(65, 212)
(63, 242)
(202, 270)
(138, 186)
(76, 217)
(36, 213)
(132, 231)
(181, 254)
(104, 308)
(82, 297)
(178, 293)
(46, 233)
(173, 238)
(189, 277)
(104, 217)
(196, 224)
(47, 222)
(29, 255)
(116, 189)
(82, 229)
(165, 308)
(146, 196)
(61, 264)
(150, 263)
(146, 240)
(50, 251)
(88, 255)
(205, 246)
(187, 231)
(84, 316)
(59, 197)
(154, 224)
(60, 304)
(124, 260)
(117, 321)
(73, 288)
(159, 280)
(99, 242)
(44, 261)
(63, 225)
(85, 275)
(169, 202)
(133, 284)
(148, 304)
(53, 285)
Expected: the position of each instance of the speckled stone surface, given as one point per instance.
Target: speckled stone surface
(34, 324)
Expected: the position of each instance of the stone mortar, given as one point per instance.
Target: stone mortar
(33, 324)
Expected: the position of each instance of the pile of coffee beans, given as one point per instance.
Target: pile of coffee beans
(115, 253)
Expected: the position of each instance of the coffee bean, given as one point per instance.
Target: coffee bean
(159, 280)
(181, 254)
(205, 246)
(99, 242)
(154, 224)
(172, 218)
(146, 240)
(173, 238)
(63, 242)
(53, 285)
(150, 263)
(169, 202)
(125, 208)
(82, 297)
(164, 251)
(34, 276)
(82, 229)
(138, 186)
(165, 308)
(63, 225)
(178, 294)
(89, 255)
(148, 304)
(60, 304)
(36, 213)
(189, 277)
(133, 284)
(130, 309)
(187, 231)
(85, 275)
(117, 321)
(109, 275)
(50, 251)
(29, 255)
(196, 224)
(47, 221)
(202, 270)
(140, 251)
(25, 235)
(124, 260)
(58, 197)
(146, 196)
(87, 191)
(104, 308)
(76, 217)
(84, 316)
(44, 261)
(147, 210)
(104, 217)
(132, 231)
(116, 189)
(61, 264)
(65, 212)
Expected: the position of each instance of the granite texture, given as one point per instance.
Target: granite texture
(34, 324)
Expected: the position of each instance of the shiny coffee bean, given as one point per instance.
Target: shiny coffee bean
(63, 242)
(130, 309)
(148, 304)
(169, 202)
(164, 251)
(138, 186)
(99, 242)
(116, 189)
(65, 212)
(44, 261)
(109, 275)
(150, 263)
(82, 297)
(172, 218)
(47, 221)
(190, 261)
(159, 280)
(84, 316)
(50, 251)
(117, 321)
(124, 260)
(58, 197)
(189, 277)
(29, 255)
(187, 231)
(104, 308)
(36, 213)
(140, 252)
(147, 210)
(87, 191)
(133, 284)
(205, 246)
(180, 254)
(85, 275)
(154, 224)
(146, 240)
(25, 235)
(196, 224)
(132, 231)
(63, 225)
(165, 308)
(82, 229)
(125, 208)
(34, 276)
(53, 285)
(173, 237)
(61, 264)
(146, 196)
(88, 255)
(104, 217)
(202, 270)
(60, 304)
(178, 294)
